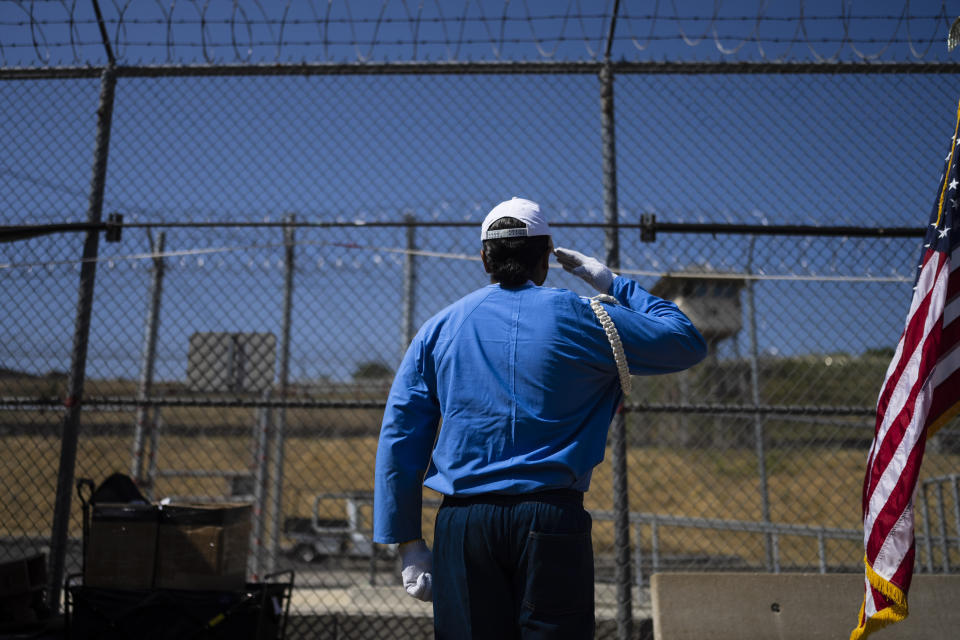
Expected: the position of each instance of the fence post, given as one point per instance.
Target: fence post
(409, 284)
(156, 426)
(638, 559)
(81, 336)
(280, 429)
(822, 550)
(148, 361)
(942, 516)
(654, 546)
(261, 430)
(757, 418)
(956, 504)
(928, 536)
(776, 552)
(618, 436)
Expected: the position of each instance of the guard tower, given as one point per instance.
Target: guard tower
(711, 299)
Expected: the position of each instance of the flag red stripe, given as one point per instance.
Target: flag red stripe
(898, 500)
(895, 432)
(951, 334)
(904, 574)
(953, 287)
(900, 423)
(945, 396)
(912, 334)
(880, 601)
(946, 392)
(910, 338)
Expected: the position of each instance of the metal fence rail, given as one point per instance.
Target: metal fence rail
(943, 539)
(656, 521)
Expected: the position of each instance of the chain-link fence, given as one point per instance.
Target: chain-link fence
(753, 460)
(286, 229)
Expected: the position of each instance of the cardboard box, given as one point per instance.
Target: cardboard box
(203, 546)
(121, 546)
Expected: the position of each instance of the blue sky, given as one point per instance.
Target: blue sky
(778, 149)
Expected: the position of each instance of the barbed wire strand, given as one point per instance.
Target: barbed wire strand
(245, 17)
(202, 251)
(683, 35)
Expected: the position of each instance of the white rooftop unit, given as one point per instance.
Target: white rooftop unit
(711, 299)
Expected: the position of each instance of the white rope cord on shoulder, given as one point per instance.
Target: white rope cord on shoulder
(626, 382)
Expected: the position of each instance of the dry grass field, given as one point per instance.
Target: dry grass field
(814, 487)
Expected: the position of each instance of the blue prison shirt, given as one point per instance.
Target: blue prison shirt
(525, 385)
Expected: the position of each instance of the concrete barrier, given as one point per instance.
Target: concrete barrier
(743, 606)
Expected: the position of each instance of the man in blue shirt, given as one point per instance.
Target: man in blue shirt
(525, 383)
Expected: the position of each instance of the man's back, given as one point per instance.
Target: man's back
(525, 382)
(526, 385)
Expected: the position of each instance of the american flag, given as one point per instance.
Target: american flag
(921, 392)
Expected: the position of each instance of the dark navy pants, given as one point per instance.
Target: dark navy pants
(513, 567)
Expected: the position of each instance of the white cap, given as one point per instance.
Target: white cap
(526, 211)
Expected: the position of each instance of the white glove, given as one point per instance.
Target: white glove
(594, 272)
(416, 563)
